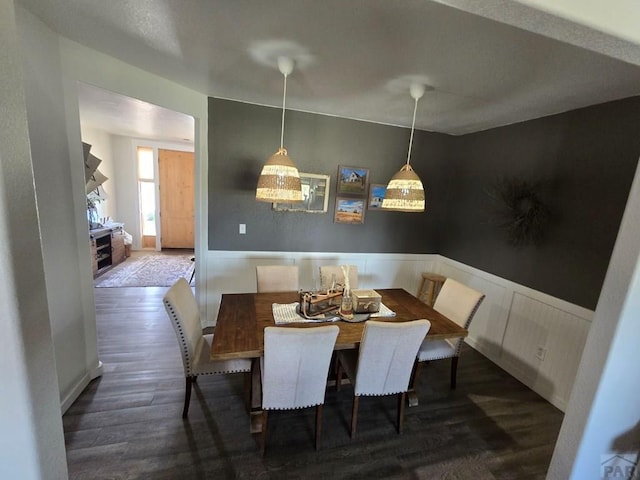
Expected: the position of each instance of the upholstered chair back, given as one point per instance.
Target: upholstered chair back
(182, 308)
(387, 354)
(296, 365)
(277, 278)
(459, 303)
(326, 271)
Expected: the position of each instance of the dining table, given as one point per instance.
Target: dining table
(242, 318)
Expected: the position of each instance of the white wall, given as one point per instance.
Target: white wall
(512, 322)
(31, 436)
(605, 405)
(49, 345)
(54, 66)
(100, 142)
(61, 209)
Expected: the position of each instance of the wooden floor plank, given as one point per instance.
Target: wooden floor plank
(127, 424)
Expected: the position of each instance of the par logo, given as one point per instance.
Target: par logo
(622, 466)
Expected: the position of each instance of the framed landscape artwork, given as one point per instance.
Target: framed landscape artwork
(352, 180)
(376, 195)
(349, 210)
(315, 195)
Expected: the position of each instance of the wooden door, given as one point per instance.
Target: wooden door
(177, 198)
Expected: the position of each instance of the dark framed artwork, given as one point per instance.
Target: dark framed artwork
(349, 210)
(353, 181)
(376, 195)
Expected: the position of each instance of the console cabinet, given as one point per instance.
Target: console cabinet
(107, 248)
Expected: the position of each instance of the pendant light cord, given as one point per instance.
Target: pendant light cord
(284, 99)
(413, 124)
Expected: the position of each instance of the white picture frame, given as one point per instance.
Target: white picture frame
(315, 195)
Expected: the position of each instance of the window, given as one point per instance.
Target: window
(147, 191)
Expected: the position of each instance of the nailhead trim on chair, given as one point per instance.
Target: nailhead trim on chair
(295, 408)
(377, 394)
(184, 350)
(183, 343)
(467, 323)
(440, 358)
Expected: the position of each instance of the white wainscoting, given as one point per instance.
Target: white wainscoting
(510, 327)
(514, 322)
(235, 272)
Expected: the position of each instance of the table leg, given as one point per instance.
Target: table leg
(255, 415)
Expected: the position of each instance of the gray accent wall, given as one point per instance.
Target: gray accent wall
(241, 138)
(584, 160)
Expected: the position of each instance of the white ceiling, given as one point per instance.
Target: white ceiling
(130, 117)
(491, 63)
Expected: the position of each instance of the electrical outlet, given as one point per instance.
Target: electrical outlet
(541, 352)
(242, 229)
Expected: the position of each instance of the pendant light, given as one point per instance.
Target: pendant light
(280, 180)
(405, 192)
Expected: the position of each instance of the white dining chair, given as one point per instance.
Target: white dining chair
(182, 308)
(459, 303)
(383, 364)
(295, 367)
(277, 278)
(326, 272)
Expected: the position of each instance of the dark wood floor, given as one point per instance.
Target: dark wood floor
(127, 424)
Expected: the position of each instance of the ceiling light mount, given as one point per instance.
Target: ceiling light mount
(285, 65)
(417, 90)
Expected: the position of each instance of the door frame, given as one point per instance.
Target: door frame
(156, 145)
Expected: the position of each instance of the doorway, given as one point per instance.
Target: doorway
(177, 199)
(171, 212)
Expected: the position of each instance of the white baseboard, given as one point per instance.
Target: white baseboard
(79, 387)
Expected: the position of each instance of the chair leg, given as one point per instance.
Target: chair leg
(187, 397)
(430, 300)
(194, 379)
(454, 372)
(401, 401)
(338, 375)
(354, 416)
(415, 374)
(263, 436)
(420, 288)
(318, 425)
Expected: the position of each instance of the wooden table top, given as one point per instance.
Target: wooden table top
(243, 317)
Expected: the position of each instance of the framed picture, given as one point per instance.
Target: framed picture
(349, 210)
(376, 195)
(353, 180)
(315, 195)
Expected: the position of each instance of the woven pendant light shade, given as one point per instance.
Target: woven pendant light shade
(279, 180)
(405, 192)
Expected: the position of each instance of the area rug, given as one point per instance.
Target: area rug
(148, 271)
